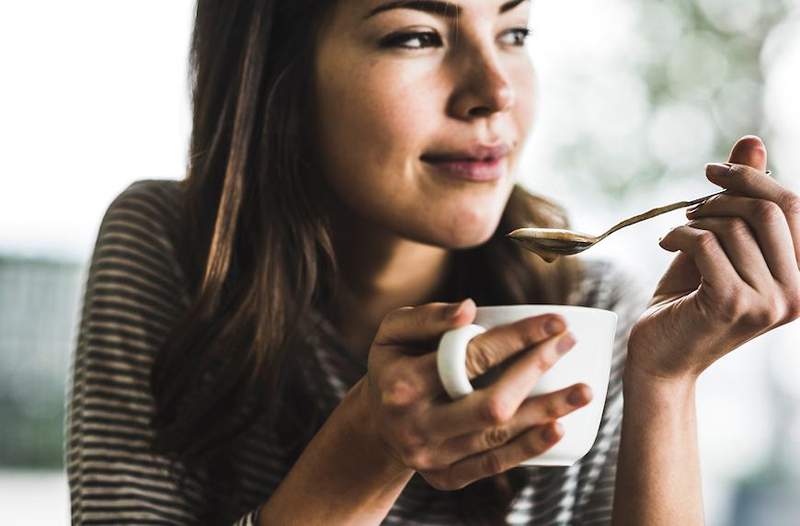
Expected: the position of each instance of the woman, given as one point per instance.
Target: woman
(247, 351)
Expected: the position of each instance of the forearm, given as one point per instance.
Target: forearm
(658, 473)
(342, 477)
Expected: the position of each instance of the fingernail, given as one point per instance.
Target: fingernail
(718, 170)
(693, 210)
(576, 397)
(554, 326)
(458, 308)
(565, 343)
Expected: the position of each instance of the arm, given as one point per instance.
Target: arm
(620, 291)
(736, 277)
(344, 472)
(658, 474)
(132, 295)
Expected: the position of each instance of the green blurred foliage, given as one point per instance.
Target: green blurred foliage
(700, 63)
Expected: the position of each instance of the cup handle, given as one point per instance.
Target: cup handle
(451, 360)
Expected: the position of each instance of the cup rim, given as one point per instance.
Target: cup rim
(546, 305)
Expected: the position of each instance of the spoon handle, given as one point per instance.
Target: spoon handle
(655, 212)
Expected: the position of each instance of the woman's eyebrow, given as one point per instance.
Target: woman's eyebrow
(435, 7)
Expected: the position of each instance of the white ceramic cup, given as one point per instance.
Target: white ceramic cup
(589, 362)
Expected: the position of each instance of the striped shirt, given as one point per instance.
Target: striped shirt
(133, 295)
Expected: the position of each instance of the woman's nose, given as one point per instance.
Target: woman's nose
(484, 89)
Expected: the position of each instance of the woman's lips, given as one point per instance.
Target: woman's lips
(470, 170)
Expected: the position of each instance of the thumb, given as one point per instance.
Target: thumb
(751, 151)
(423, 323)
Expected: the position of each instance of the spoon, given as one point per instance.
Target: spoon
(551, 243)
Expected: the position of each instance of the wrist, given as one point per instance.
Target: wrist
(641, 382)
(346, 467)
(364, 430)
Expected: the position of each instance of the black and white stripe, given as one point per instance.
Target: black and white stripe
(134, 294)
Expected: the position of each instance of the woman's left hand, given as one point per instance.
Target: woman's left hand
(736, 275)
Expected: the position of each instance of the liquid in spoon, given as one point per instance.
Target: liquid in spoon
(551, 243)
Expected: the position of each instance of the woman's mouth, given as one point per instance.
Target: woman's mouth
(478, 164)
(470, 170)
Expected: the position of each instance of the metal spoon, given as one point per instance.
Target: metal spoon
(551, 243)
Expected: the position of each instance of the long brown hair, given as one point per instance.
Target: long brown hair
(257, 253)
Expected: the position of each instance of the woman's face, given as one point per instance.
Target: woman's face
(405, 89)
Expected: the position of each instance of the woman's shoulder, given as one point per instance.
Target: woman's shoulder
(148, 210)
(157, 200)
(138, 232)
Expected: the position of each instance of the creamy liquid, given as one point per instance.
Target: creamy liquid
(552, 243)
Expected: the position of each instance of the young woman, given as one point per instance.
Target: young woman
(257, 341)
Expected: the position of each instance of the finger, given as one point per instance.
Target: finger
(768, 222)
(529, 444)
(497, 404)
(499, 343)
(740, 246)
(424, 323)
(535, 411)
(751, 151)
(747, 181)
(706, 253)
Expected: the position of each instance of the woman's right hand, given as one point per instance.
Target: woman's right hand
(454, 443)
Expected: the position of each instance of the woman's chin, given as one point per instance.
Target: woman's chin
(467, 235)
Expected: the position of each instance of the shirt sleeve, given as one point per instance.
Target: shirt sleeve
(133, 295)
(625, 295)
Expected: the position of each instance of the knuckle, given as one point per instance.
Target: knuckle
(497, 410)
(767, 212)
(740, 170)
(382, 380)
(545, 360)
(793, 312)
(552, 409)
(533, 331)
(761, 316)
(793, 306)
(401, 392)
(706, 241)
(409, 455)
(782, 312)
(738, 308)
(394, 316)
(421, 460)
(491, 463)
(732, 306)
(790, 202)
(496, 436)
(737, 227)
(533, 444)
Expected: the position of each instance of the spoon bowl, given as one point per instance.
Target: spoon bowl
(550, 243)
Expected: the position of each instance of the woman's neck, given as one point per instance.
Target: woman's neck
(380, 272)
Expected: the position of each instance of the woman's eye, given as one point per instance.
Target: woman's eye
(425, 39)
(418, 40)
(520, 35)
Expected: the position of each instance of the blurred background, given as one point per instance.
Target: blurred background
(635, 96)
